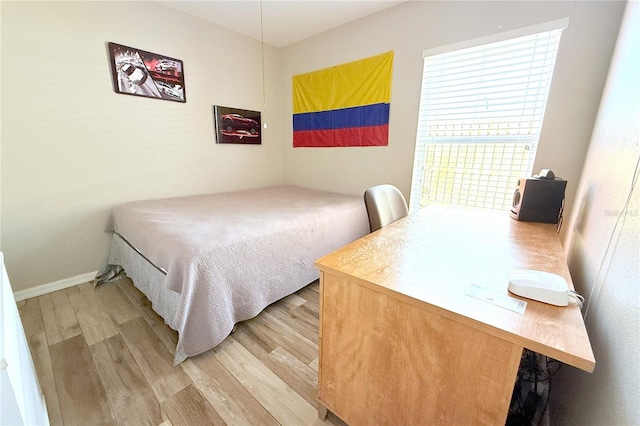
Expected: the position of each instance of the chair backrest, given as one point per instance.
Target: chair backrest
(385, 204)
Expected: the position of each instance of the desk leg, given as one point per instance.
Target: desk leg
(322, 411)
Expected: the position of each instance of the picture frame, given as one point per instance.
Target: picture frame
(237, 126)
(137, 72)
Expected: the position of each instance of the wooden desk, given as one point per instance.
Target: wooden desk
(401, 342)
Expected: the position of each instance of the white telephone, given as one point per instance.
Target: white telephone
(539, 285)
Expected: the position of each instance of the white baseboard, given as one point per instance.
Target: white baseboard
(54, 286)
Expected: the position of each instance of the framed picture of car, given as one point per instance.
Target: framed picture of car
(234, 125)
(140, 73)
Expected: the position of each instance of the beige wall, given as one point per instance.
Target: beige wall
(611, 275)
(72, 148)
(410, 28)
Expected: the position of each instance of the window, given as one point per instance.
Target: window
(480, 116)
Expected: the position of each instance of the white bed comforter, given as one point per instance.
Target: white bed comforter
(230, 255)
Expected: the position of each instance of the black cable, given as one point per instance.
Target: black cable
(530, 400)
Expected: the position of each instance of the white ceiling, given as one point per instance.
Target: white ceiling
(284, 22)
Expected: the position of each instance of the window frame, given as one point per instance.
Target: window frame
(420, 147)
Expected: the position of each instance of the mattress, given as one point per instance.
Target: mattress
(209, 261)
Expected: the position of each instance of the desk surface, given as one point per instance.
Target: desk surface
(431, 258)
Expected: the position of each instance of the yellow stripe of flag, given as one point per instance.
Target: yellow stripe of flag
(363, 82)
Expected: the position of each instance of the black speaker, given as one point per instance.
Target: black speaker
(538, 199)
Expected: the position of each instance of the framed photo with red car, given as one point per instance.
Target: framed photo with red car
(140, 73)
(235, 125)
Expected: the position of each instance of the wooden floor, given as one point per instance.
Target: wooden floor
(104, 357)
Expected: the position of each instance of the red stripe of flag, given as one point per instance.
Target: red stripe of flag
(354, 136)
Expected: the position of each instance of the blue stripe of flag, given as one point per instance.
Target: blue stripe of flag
(362, 116)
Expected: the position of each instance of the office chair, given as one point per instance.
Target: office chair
(385, 204)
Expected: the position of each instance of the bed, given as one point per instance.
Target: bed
(207, 262)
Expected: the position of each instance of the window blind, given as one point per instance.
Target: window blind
(481, 111)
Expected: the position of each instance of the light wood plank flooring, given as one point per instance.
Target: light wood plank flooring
(103, 356)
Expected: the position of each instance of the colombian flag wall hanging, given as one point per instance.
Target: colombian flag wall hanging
(345, 105)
